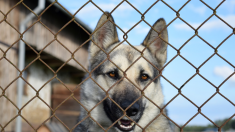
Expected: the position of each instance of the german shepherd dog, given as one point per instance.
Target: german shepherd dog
(125, 89)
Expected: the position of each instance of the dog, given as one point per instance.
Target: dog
(122, 88)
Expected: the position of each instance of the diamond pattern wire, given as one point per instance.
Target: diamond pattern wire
(125, 36)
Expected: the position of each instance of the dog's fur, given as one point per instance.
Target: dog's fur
(123, 93)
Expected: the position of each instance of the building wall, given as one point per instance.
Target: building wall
(8, 73)
(36, 111)
(53, 38)
(37, 76)
(39, 37)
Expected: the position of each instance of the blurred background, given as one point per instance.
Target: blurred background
(40, 71)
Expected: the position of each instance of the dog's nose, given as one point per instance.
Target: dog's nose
(133, 110)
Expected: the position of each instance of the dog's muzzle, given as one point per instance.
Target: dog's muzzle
(133, 111)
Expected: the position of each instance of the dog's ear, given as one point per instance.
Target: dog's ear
(105, 34)
(155, 42)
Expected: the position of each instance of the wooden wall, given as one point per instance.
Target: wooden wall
(72, 36)
(38, 37)
(68, 112)
(8, 34)
(8, 72)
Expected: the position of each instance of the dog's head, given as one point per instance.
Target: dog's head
(127, 73)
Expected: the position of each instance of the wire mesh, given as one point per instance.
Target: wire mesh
(38, 58)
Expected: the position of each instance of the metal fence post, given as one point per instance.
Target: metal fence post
(21, 64)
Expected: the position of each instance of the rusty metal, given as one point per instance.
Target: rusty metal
(125, 36)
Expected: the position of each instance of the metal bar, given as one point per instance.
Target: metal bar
(21, 64)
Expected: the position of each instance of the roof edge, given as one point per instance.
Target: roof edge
(76, 19)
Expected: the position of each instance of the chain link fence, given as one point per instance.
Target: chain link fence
(55, 72)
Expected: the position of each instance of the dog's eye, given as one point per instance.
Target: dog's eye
(113, 74)
(144, 77)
